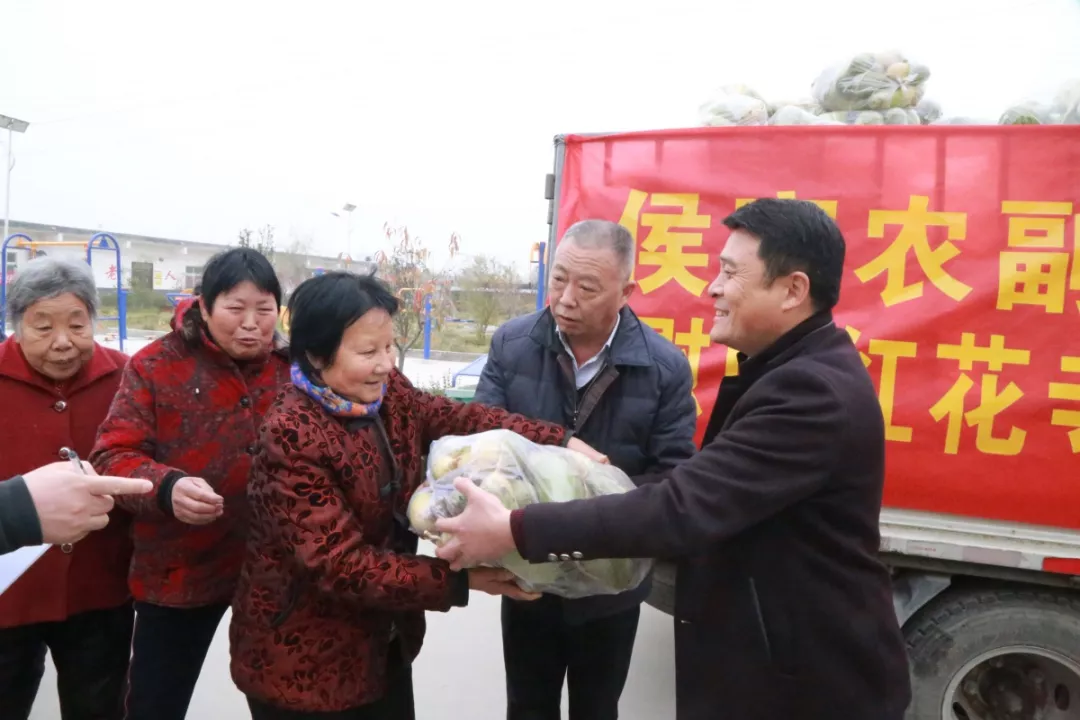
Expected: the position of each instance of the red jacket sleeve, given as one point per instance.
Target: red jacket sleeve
(443, 416)
(126, 442)
(294, 498)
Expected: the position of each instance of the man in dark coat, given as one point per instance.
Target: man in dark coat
(588, 364)
(783, 609)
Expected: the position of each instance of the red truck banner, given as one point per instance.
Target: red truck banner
(961, 286)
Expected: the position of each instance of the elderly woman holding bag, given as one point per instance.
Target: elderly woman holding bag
(329, 613)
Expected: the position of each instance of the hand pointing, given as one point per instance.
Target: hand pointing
(71, 505)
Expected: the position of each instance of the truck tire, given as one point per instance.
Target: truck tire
(662, 595)
(996, 654)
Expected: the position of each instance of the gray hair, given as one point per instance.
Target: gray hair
(46, 277)
(605, 234)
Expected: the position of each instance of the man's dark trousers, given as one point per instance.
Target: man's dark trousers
(540, 649)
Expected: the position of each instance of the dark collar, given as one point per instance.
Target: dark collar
(628, 348)
(778, 351)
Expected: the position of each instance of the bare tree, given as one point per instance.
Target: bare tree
(407, 269)
(264, 243)
(489, 293)
(291, 263)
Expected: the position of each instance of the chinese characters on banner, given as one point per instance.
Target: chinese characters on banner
(962, 296)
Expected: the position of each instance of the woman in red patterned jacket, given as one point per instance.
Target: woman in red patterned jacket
(330, 609)
(186, 418)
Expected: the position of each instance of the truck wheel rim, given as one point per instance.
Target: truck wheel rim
(1019, 682)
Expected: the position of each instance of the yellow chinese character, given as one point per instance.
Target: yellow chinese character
(890, 352)
(912, 237)
(991, 402)
(1037, 277)
(1068, 391)
(829, 206)
(668, 230)
(731, 362)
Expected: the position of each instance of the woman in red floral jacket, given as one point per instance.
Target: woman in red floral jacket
(186, 418)
(330, 609)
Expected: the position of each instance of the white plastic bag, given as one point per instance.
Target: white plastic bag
(520, 473)
(1063, 109)
(792, 115)
(733, 105)
(871, 81)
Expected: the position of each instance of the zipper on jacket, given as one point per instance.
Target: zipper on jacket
(760, 618)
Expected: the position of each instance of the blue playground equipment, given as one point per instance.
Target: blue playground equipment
(540, 250)
(99, 241)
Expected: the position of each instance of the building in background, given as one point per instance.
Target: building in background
(151, 263)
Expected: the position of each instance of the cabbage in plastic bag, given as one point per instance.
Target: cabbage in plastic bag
(862, 117)
(791, 115)
(1027, 113)
(1064, 109)
(808, 104)
(520, 473)
(902, 116)
(733, 105)
(871, 81)
(928, 111)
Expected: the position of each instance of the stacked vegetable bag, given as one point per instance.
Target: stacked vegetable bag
(869, 89)
(872, 89)
(734, 105)
(520, 473)
(1063, 110)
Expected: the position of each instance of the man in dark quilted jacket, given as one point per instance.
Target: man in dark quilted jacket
(587, 363)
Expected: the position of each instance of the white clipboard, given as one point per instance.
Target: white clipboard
(14, 564)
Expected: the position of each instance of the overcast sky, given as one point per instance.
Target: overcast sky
(193, 122)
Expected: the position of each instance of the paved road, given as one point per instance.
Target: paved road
(458, 676)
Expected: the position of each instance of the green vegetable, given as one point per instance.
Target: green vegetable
(871, 82)
(520, 473)
(1025, 114)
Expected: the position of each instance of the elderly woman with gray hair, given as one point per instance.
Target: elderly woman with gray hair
(56, 385)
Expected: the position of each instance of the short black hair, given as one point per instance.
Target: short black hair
(228, 269)
(323, 307)
(796, 235)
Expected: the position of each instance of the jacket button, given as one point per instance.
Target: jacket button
(553, 557)
(576, 555)
(66, 548)
(245, 402)
(59, 406)
(564, 557)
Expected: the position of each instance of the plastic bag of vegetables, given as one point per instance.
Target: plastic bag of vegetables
(856, 117)
(519, 473)
(1064, 109)
(928, 111)
(792, 115)
(1029, 113)
(871, 81)
(733, 105)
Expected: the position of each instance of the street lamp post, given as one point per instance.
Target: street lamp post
(12, 126)
(349, 207)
